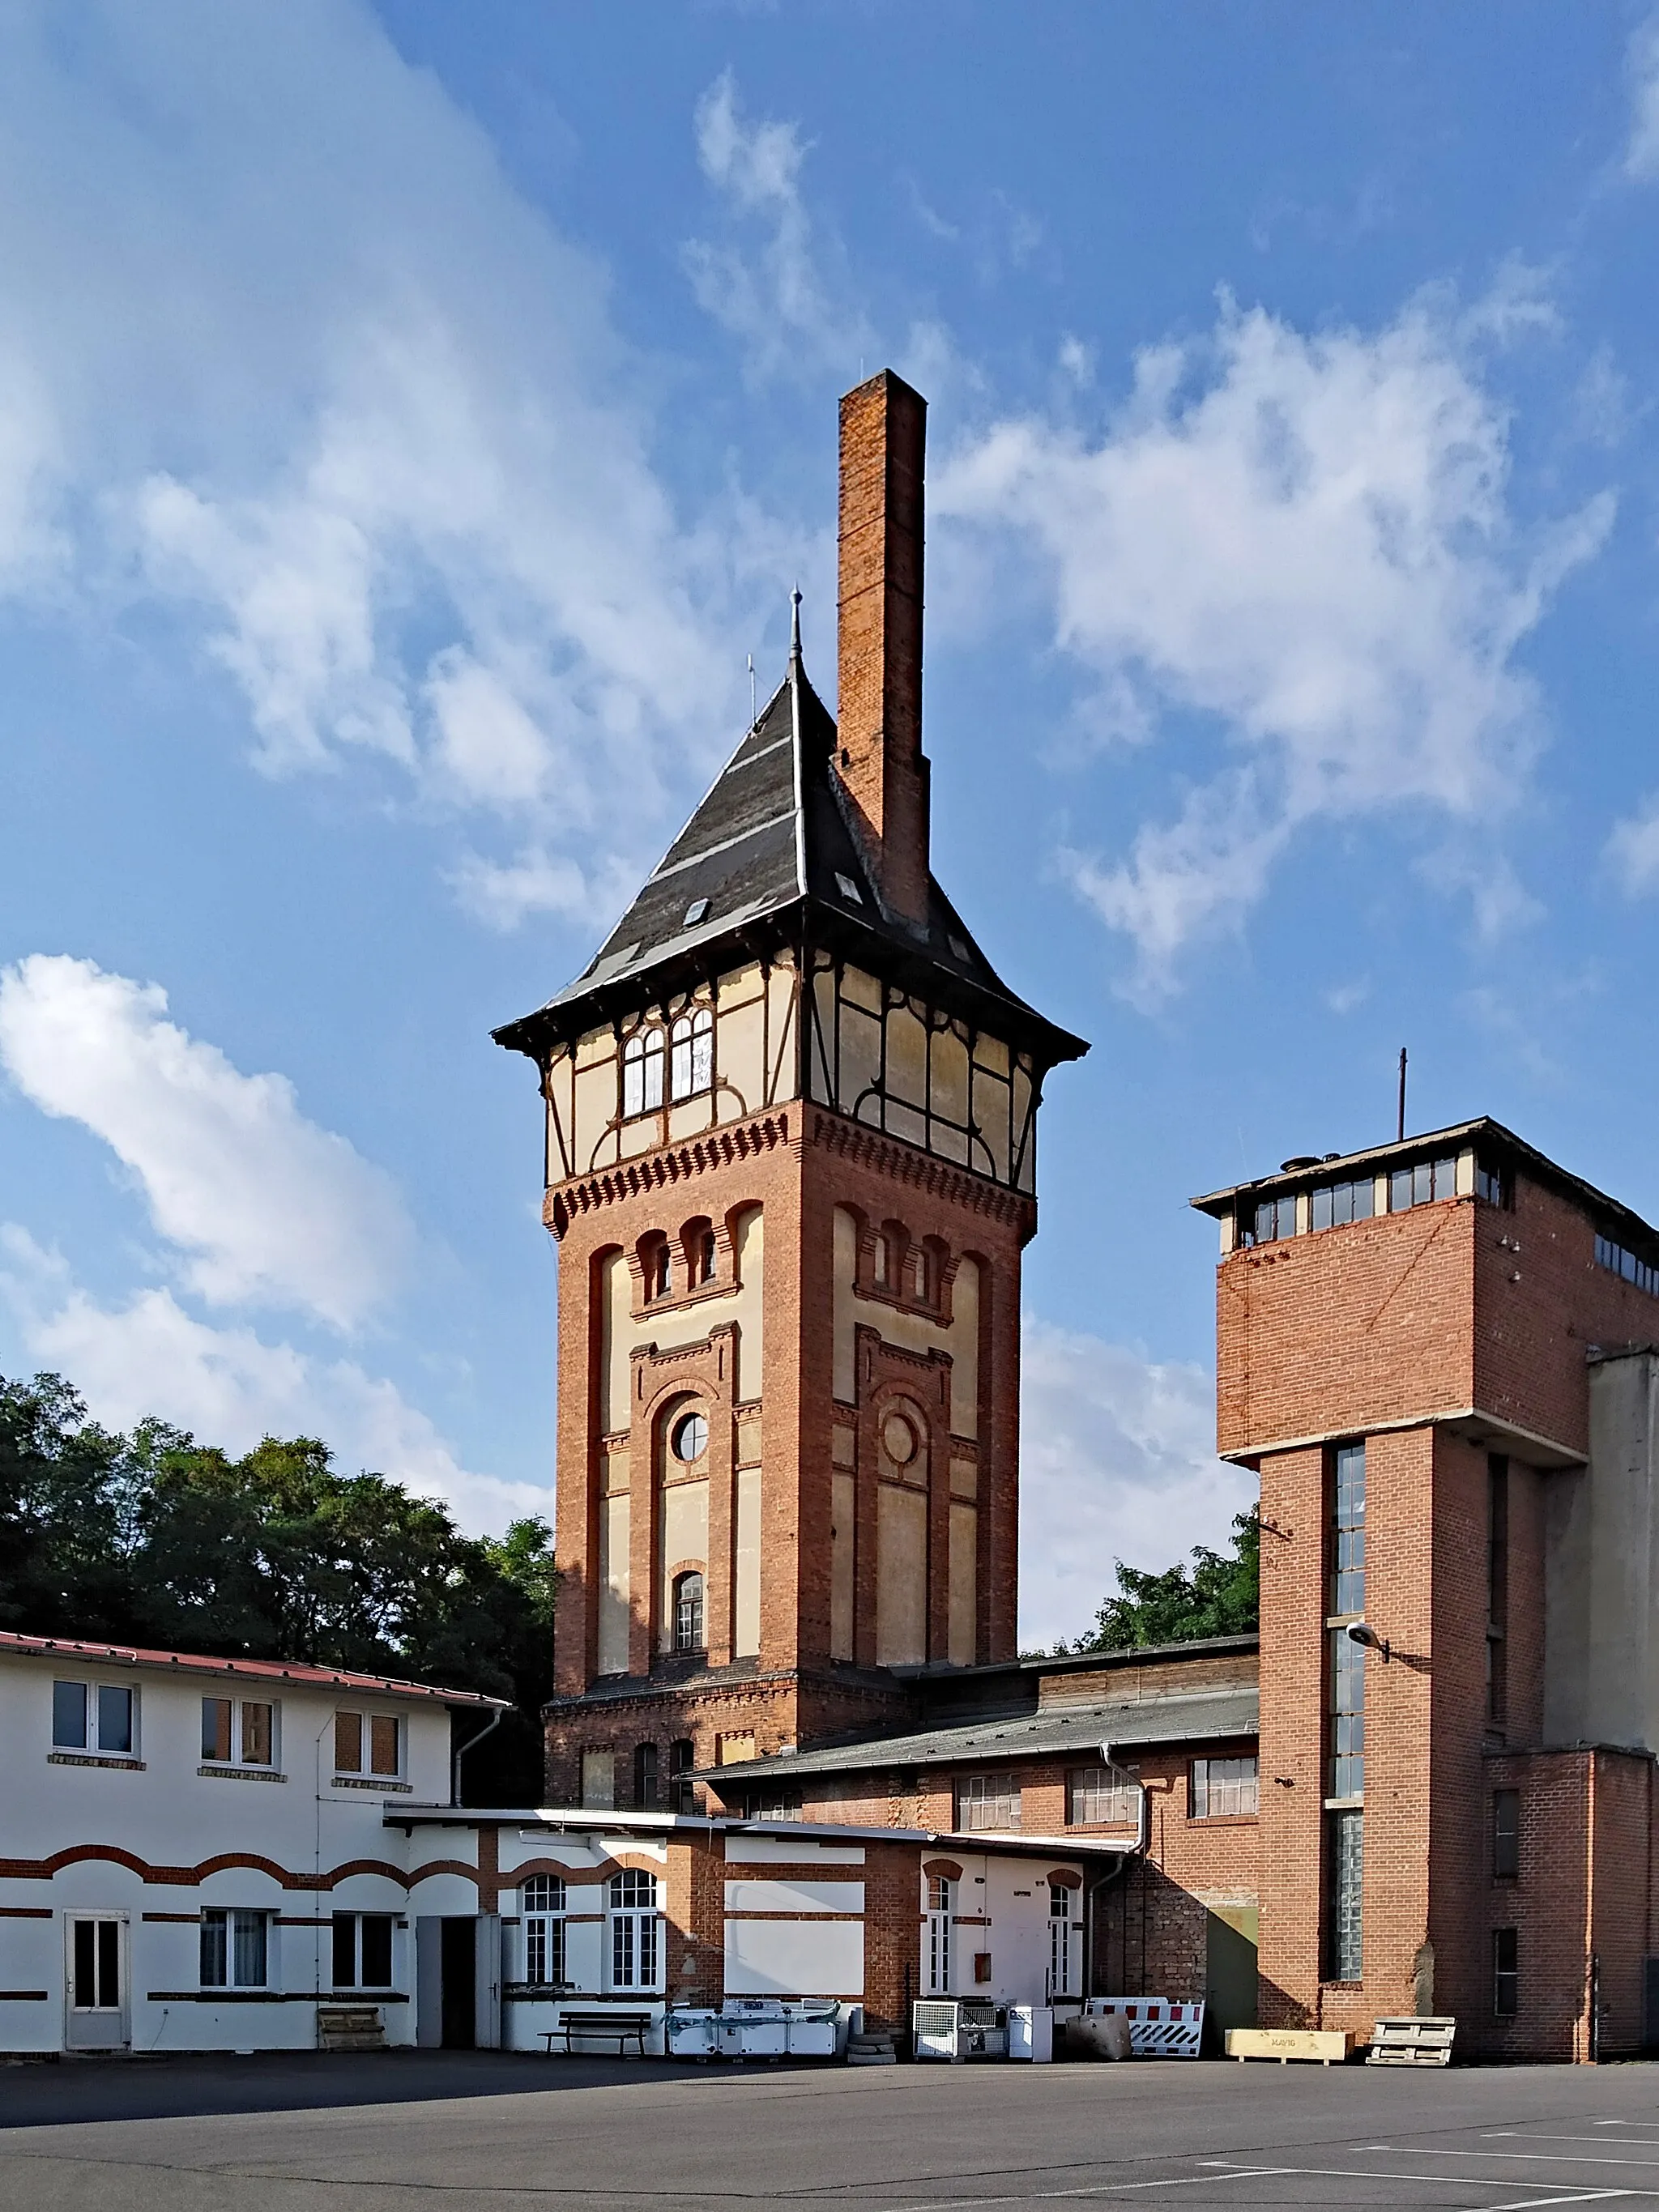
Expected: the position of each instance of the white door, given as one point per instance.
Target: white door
(95, 1981)
(936, 1944)
(1065, 1945)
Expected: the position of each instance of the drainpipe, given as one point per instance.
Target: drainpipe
(1107, 1879)
(492, 1723)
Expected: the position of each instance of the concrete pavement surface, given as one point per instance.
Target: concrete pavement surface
(490, 2132)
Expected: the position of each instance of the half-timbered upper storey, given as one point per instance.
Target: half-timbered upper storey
(762, 961)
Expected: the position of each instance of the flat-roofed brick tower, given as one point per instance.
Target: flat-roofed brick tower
(791, 1115)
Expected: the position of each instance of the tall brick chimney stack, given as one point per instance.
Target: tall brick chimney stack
(883, 432)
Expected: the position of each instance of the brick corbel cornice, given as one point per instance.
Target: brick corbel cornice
(905, 1163)
(652, 1171)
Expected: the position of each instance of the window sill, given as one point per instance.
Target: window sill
(1344, 1804)
(1223, 1819)
(242, 1773)
(672, 1300)
(94, 1758)
(380, 1782)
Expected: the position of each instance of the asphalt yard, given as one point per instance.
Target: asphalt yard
(463, 2132)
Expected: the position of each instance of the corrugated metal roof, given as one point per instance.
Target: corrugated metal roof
(1198, 1716)
(257, 1670)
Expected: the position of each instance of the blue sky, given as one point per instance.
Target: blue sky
(412, 419)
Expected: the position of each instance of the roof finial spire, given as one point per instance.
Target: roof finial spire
(794, 630)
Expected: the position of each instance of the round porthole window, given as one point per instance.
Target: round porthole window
(690, 1437)
(899, 1440)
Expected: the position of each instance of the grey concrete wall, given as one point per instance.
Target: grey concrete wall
(1601, 1569)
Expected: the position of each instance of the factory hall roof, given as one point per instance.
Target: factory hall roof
(1190, 1717)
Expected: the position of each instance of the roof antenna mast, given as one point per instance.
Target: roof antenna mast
(1401, 1133)
(753, 709)
(794, 627)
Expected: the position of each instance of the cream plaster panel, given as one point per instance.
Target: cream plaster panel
(790, 1851)
(615, 1471)
(863, 990)
(1022, 1113)
(750, 1255)
(740, 1057)
(906, 1056)
(991, 1119)
(964, 1479)
(962, 1639)
(781, 991)
(794, 1957)
(594, 1110)
(616, 1342)
(844, 1320)
(843, 1510)
(746, 1543)
(637, 1136)
(860, 1063)
(682, 1534)
(613, 1585)
(991, 1052)
(948, 1073)
(901, 1576)
(843, 1446)
(756, 1894)
(748, 1442)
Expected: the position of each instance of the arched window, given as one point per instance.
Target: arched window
(656, 1263)
(687, 1611)
(692, 1058)
(542, 1903)
(699, 1242)
(682, 1757)
(642, 1073)
(636, 1931)
(645, 1777)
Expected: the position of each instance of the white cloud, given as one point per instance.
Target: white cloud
(228, 1387)
(1117, 1461)
(1303, 546)
(1632, 849)
(1642, 67)
(283, 352)
(262, 1205)
(770, 294)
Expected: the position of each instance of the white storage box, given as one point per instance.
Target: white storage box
(691, 2034)
(1031, 2033)
(959, 2027)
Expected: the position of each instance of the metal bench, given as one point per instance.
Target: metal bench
(621, 2028)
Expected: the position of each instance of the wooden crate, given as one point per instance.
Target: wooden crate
(1321, 2046)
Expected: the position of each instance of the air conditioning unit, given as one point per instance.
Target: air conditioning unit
(957, 2029)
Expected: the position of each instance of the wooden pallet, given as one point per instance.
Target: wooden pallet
(1413, 2042)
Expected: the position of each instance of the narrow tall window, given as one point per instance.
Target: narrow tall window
(542, 1905)
(941, 1912)
(1345, 1881)
(1065, 1957)
(682, 1791)
(645, 1777)
(642, 1057)
(691, 1054)
(1505, 1835)
(1348, 1531)
(1505, 1973)
(688, 1612)
(361, 1944)
(636, 1931)
(1498, 1587)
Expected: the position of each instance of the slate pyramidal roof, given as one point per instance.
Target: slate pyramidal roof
(771, 857)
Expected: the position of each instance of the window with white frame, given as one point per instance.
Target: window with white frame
(1103, 1797)
(643, 1059)
(370, 1744)
(541, 1903)
(236, 1948)
(988, 1801)
(362, 1950)
(1222, 1788)
(238, 1732)
(938, 1939)
(691, 1054)
(637, 1959)
(95, 1717)
(1065, 1939)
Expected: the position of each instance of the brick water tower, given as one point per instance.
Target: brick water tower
(791, 1114)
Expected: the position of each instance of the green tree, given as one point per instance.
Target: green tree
(155, 1539)
(1218, 1594)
